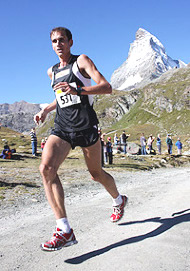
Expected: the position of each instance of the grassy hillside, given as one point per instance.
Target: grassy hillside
(14, 139)
(162, 107)
(43, 130)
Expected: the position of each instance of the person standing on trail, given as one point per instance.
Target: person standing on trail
(150, 142)
(124, 138)
(104, 149)
(179, 146)
(42, 144)
(143, 144)
(109, 148)
(75, 125)
(116, 140)
(158, 143)
(33, 141)
(169, 143)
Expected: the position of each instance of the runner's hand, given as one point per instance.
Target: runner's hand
(65, 87)
(41, 116)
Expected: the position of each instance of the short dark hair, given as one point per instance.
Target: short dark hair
(64, 30)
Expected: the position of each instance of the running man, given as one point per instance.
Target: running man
(75, 125)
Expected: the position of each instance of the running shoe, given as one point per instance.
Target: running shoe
(118, 210)
(58, 240)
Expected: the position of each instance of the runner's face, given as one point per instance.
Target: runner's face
(60, 44)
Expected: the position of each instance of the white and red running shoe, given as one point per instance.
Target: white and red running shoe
(118, 210)
(58, 240)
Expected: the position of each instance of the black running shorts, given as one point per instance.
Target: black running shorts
(83, 138)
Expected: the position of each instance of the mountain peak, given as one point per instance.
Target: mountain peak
(147, 60)
(141, 33)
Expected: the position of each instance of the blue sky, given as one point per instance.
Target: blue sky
(101, 29)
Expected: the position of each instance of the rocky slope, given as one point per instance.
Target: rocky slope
(19, 115)
(165, 103)
(111, 108)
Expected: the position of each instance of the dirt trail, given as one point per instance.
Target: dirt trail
(153, 235)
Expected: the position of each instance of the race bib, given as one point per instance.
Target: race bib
(65, 100)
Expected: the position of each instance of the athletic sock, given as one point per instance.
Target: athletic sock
(63, 225)
(117, 201)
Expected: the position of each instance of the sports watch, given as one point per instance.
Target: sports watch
(79, 90)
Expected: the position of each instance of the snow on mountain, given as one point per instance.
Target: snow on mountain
(147, 60)
(42, 106)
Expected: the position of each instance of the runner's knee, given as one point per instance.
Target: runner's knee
(47, 171)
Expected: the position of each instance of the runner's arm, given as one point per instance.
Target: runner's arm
(88, 69)
(41, 116)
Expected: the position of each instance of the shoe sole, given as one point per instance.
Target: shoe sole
(123, 211)
(74, 242)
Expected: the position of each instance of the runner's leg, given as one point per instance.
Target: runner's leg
(54, 153)
(92, 156)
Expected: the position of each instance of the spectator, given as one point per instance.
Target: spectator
(109, 150)
(149, 142)
(124, 138)
(179, 146)
(105, 155)
(158, 143)
(143, 144)
(6, 153)
(169, 143)
(33, 141)
(43, 144)
(116, 139)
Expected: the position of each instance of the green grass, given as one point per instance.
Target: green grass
(3, 188)
(43, 130)
(14, 139)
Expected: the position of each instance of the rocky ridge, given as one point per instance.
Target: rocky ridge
(166, 102)
(111, 108)
(19, 115)
(147, 60)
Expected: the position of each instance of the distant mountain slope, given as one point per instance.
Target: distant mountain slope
(19, 107)
(147, 60)
(165, 104)
(19, 115)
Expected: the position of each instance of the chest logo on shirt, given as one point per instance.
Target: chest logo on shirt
(62, 73)
(65, 100)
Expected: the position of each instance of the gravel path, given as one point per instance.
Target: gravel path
(153, 235)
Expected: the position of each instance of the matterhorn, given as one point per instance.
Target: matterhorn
(147, 60)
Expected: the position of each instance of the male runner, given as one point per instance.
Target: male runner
(75, 125)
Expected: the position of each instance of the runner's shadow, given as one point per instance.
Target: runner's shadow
(166, 224)
(6, 184)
